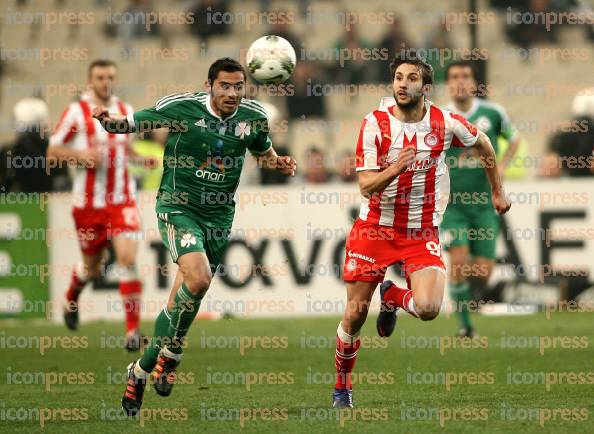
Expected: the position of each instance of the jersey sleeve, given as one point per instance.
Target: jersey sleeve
(164, 113)
(67, 126)
(262, 143)
(464, 133)
(508, 131)
(367, 157)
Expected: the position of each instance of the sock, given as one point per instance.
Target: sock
(347, 347)
(183, 314)
(78, 280)
(400, 297)
(130, 292)
(460, 293)
(139, 372)
(149, 357)
(170, 355)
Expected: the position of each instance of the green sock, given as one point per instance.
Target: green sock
(183, 314)
(149, 358)
(461, 295)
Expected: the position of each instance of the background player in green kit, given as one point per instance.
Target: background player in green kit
(209, 133)
(470, 225)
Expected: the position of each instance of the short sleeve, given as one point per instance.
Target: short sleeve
(464, 133)
(262, 143)
(67, 126)
(163, 114)
(508, 131)
(367, 145)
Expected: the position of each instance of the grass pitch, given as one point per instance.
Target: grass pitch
(525, 374)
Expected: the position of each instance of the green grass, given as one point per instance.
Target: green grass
(303, 405)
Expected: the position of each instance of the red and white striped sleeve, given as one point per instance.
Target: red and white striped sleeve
(464, 133)
(368, 145)
(67, 126)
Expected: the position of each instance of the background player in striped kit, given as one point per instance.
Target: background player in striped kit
(401, 171)
(104, 204)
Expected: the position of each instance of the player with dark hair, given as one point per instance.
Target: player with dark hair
(209, 133)
(470, 225)
(401, 170)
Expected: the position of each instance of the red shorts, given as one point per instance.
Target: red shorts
(96, 227)
(371, 248)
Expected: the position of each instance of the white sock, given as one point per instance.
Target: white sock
(139, 372)
(167, 353)
(411, 307)
(345, 337)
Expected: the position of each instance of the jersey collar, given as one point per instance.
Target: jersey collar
(211, 111)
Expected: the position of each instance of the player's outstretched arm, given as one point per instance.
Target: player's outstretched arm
(372, 181)
(272, 161)
(487, 153)
(112, 122)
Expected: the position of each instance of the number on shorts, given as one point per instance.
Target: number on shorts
(130, 216)
(433, 248)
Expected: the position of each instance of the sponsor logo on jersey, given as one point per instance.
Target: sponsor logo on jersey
(423, 164)
(201, 123)
(242, 129)
(356, 255)
(213, 169)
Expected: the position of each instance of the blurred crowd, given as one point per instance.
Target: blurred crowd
(321, 164)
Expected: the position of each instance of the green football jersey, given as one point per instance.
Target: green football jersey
(204, 154)
(466, 172)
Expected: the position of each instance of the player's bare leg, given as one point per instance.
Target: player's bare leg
(171, 327)
(423, 299)
(347, 339)
(126, 248)
(81, 275)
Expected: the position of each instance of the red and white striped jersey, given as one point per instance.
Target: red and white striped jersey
(109, 183)
(418, 197)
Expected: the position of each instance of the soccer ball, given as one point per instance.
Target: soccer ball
(271, 59)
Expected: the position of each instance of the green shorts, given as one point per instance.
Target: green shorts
(182, 233)
(473, 226)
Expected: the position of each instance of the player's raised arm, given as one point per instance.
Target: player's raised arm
(374, 181)
(370, 176)
(487, 153)
(267, 158)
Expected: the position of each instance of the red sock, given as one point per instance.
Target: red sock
(346, 355)
(130, 292)
(400, 297)
(75, 287)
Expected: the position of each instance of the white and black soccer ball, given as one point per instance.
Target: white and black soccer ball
(271, 59)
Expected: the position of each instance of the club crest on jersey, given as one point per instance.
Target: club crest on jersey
(201, 123)
(243, 129)
(431, 139)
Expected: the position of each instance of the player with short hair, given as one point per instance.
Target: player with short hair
(209, 133)
(104, 207)
(470, 225)
(401, 172)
